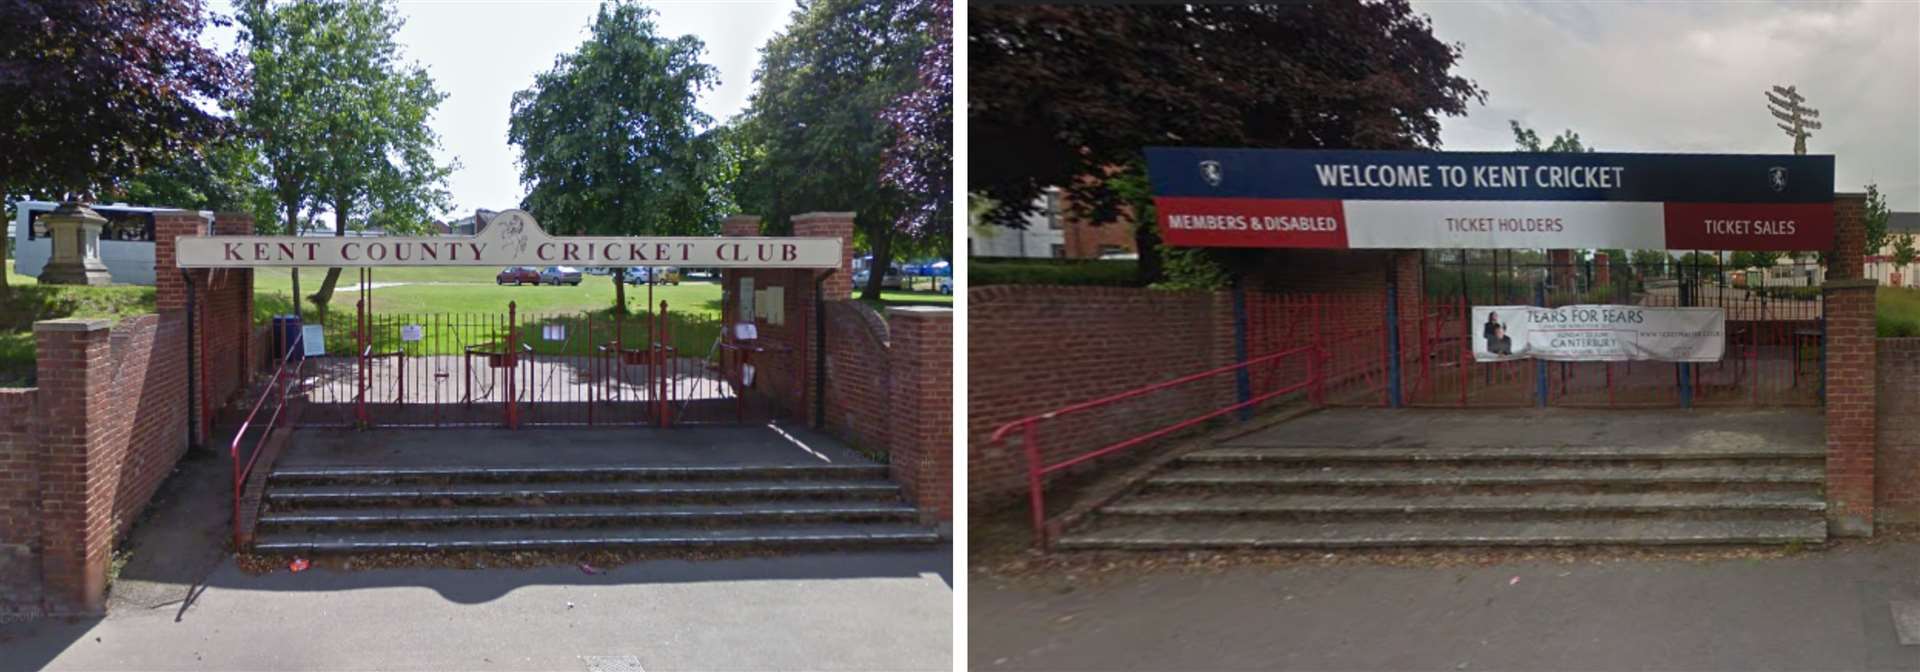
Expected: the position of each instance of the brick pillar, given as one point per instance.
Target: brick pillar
(170, 291)
(740, 225)
(240, 317)
(836, 286)
(170, 297)
(76, 530)
(920, 400)
(1602, 270)
(1848, 307)
(831, 225)
(1562, 269)
(1407, 267)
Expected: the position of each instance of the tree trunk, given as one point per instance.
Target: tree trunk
(5, 289)
(619, 291)
(881, 236)
(325, 295)
(1147, 238)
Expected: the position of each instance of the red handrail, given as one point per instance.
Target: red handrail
(278, 384)
(1036, 471)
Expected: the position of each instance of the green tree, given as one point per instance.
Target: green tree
(225, 175)
(341, 120)
(1695, 266)
(1876, 219)
(1741, 259)
(94, 92)
(1065, 95)
(1650, 263)
(1903, 250)
(1529, 141)
(816, 118)
(610, 139)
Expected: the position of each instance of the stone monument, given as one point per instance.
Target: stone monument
(75, 232)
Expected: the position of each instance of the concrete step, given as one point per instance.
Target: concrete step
(1473, 475)
(678, 514)
(376, 495)
(1148, 533)
(1183, 504)
(1467, 454)
(382, 474)
(827, 536)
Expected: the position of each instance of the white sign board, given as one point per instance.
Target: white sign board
(313, 338)
(1599, 333)
(412, 332)
(511, 239)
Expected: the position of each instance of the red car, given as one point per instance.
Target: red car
(518, 275)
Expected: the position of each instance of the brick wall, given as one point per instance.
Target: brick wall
(83, 453)
(881, 384)
(859, 373)
(890, 390)
(1848, 304)
(920, 411)
(1897, 427)
(20, 593)
(1032, 349)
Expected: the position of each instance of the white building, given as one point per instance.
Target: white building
(126, 241)
(1043, 236)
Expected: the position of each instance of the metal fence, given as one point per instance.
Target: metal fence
(514, 369)
(1774, 342)
(1774, 332)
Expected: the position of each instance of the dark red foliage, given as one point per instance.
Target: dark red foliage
(1060, 93)
(92, 90)
(920, 163)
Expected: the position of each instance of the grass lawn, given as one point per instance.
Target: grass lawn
(463, 303)
(29, 302)
(1897, 312)
(471, 290)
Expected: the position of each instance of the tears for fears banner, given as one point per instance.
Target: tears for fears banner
(1516, 200)
(1599, 333)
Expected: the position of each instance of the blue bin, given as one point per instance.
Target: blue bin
(286, 333)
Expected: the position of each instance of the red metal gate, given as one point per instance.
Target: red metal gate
(1773, 355)
(518, 369)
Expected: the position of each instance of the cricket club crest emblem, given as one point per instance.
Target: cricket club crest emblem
(1210, 170)
(1777, 178)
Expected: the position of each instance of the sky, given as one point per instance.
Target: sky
(1690, 77)
(479, 52)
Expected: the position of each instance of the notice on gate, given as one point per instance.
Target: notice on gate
(1599, 333)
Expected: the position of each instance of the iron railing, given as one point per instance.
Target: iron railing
(1028, 428)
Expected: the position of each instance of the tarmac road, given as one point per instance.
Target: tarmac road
(856, 611)
(1824, 610)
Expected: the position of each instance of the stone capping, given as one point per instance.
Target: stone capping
(920, 311)
(823, 216)
(73, 324)
(877, 327)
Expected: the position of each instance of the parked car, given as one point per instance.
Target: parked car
(660, 275)
(518, 275)
(560, 275)
(892, 280)
(942, 284)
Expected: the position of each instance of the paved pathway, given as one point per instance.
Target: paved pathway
(868, 611)
(1831, 610)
